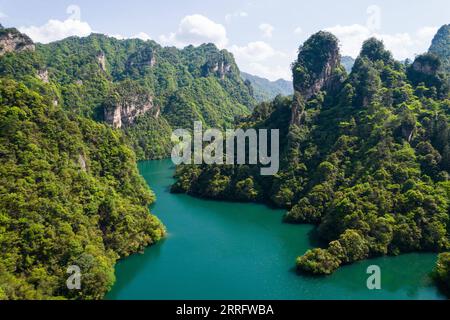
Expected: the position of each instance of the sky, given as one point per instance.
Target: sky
(263, 35)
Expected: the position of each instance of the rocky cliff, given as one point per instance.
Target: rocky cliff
(11, 40)
(219, 65)
(126, 103)
(317, 68)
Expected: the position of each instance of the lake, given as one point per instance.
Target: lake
(224, 250)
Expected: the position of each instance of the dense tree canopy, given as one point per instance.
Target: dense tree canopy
(196, 83)
(70, 194)
(365, 157)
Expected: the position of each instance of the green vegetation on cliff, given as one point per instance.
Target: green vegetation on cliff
(69, 113)
(70, 194)
(167, 87)
(442, 272)
(366, 156)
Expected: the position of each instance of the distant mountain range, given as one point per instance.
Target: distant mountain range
(265, 90)
(348, 63)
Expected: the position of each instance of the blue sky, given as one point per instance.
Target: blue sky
(263, 35)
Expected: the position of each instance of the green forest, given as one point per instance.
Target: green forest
(70, 189)
(365, 156)
(364, 147)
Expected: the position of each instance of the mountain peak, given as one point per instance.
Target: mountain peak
(373, 49)
(12, 40)
(440, 46)
(318, 58)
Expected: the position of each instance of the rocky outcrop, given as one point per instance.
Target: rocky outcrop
(124, 110)
(317, 61)
(11, 40)
(43, 75)
(298, 113)
(219, 66)
(317, 68)
(426, 64)
(101, 59)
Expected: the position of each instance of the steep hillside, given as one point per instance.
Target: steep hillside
(69, 110)
(11, 40)
(266, 90)
(70, 195)
(134, 85)
(366, 156)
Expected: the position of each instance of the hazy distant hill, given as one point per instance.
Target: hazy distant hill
(348, 63)
(265, 90)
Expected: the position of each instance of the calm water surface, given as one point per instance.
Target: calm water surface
(220, 250)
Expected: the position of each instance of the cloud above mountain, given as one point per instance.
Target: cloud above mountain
(402, 45)
(260, 58)
(196, 29)
(266, 29)
(55, 30)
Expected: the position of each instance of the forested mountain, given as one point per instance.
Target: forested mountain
(440, 46)
(266, 90)
(70, 194)
(69, 113)
(139, 86)
(364, 156)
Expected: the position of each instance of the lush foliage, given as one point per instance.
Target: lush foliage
(442, 271)
(70, 194)
(195, 83)
(366, 156)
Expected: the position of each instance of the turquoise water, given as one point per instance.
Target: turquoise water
(221, 250)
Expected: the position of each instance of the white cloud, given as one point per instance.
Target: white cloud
(141, 35)
(259, 58)
(239, 14)
(427, 32)
(55, 30)
(256, 51)
(402, 45)
(351, 37)
(117, 36)
(3, 15)
(196, 29)
(298, 30)
(266, 29)
(269, 72)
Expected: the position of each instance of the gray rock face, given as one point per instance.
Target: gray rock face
(11, 40)
(126, 109)
(316, 69)
(322, 81)
(43, 75)
(218, 66)
(101, 59)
